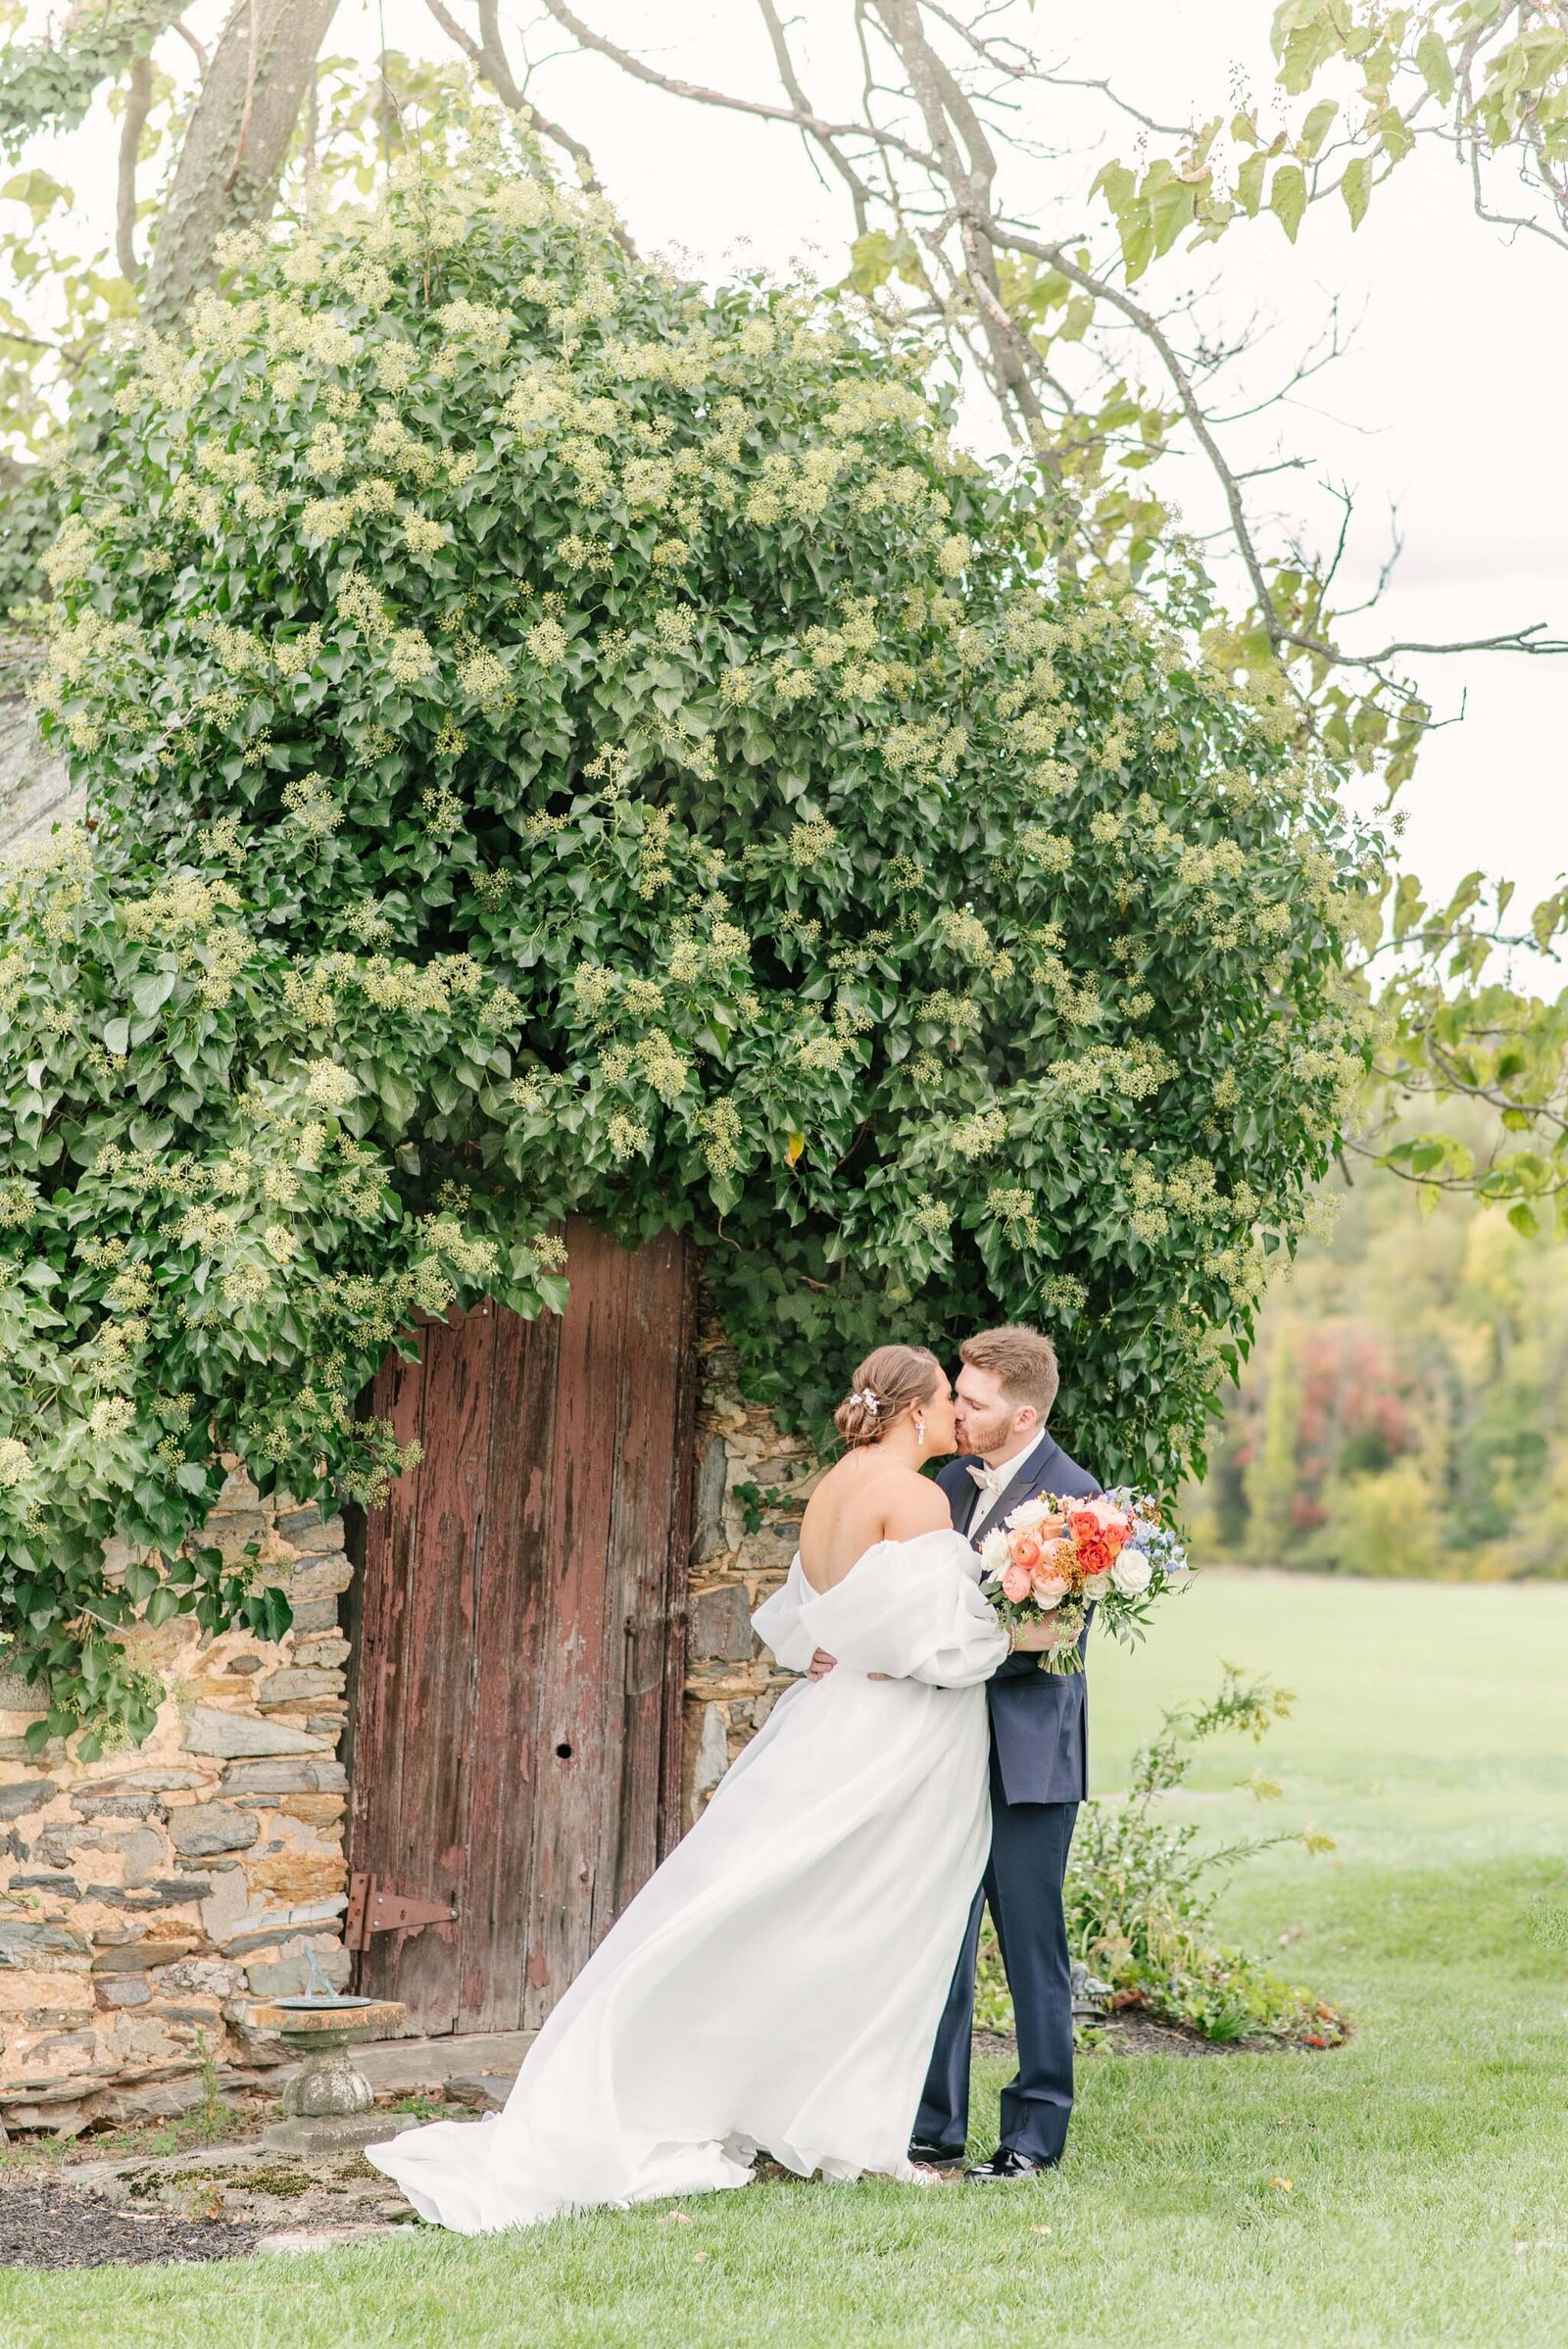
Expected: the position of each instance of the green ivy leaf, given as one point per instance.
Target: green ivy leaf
(1287, 197)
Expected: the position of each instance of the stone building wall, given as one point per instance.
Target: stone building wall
(752, 1486)
(147, 1899)
(151, 1900)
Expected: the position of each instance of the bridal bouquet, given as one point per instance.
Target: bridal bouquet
(1053, 1559)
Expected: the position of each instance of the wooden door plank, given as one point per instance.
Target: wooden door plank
(644, 1511)
(570, 1732)
(390, 1540)
(677, 1559)
(424, 1844)
(525, 1595)
(509, 1614)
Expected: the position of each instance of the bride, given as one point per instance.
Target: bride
(779, 1983)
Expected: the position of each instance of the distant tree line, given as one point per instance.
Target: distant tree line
(1401, 1412)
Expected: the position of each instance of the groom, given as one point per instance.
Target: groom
(1039, 1770)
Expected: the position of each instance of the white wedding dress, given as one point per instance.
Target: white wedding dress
(779, 1983)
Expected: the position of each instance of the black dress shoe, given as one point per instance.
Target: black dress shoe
(1005, 2163)
(936, 2157)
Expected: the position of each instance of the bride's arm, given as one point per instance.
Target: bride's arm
(777, 1623)
(974, 1645)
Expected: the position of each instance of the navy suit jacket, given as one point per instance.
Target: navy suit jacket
(1039, 1720)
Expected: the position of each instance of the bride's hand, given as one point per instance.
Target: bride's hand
(1033, 1638)
(821, 1665)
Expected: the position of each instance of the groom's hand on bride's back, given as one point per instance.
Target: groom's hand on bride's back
(821, 1665)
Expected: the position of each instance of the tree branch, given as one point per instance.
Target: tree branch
(186, 33)
(243, 140)
(208, 194)
(703, 96)
(138, 100)
(1192, 408)
(859, 193)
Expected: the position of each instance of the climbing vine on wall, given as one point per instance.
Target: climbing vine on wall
(563, 740)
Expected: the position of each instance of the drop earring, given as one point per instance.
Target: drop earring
(919, 1428)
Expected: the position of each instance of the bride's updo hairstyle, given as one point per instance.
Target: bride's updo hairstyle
(886, 1385)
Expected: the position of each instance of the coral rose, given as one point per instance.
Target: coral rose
(1112, 1526)
(1026, 1552)
(1095, 1553)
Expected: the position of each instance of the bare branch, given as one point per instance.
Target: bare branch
(186, 33)
(859, 193)
(641, 71)
(1192, 408)
(489, 56)
(949, 118)
(138, 100)
(1508, 640)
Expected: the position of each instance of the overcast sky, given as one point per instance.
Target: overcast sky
(1448, 406)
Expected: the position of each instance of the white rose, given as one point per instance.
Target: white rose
(994, 1551)
(1096, 1585)
(1028, 1514)
(1130, 1573)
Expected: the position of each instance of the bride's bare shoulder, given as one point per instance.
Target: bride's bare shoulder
(913, 1506)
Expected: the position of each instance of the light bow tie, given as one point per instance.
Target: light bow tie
(992, 1481)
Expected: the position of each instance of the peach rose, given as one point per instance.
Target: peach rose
(1049, 1587)
(1015, 1583)
(1026, 1552)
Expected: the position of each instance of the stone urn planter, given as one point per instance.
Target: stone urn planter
(329, 2106)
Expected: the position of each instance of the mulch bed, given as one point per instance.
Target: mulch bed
(1130, 2032)
(50, 2227)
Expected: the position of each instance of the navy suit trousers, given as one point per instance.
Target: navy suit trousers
(1029, 1845)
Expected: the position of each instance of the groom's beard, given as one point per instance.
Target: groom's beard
(994, 1455)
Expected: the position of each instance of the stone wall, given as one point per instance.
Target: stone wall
(151, 1900)
(148, 1898)
(752, 1486)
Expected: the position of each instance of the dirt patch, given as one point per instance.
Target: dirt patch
(48, 2226)
(1131, 2033)
(201, 2202)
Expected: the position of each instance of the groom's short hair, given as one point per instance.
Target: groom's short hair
(1022, 1361)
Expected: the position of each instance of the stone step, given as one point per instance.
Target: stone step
(403, 2067)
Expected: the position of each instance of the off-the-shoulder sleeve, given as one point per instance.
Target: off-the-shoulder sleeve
(777, 1622)
(912, 1609)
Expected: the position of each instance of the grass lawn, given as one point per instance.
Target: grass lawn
(1410, 2188)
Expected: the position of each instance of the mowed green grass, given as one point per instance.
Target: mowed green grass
(1410, 2188)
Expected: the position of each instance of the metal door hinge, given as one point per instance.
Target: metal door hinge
(374, 1908)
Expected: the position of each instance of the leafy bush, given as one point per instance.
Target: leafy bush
(562, 741)
(1142, 1887)
(1141, 1890)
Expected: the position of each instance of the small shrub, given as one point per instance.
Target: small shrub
(1140, 1889)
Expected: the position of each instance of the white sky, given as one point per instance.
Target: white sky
(1447, 406)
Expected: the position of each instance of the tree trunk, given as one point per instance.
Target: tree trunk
(234, 151)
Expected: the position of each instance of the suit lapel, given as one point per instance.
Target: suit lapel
(1033, 1477)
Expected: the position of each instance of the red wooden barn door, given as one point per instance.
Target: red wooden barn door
(516, 1748)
